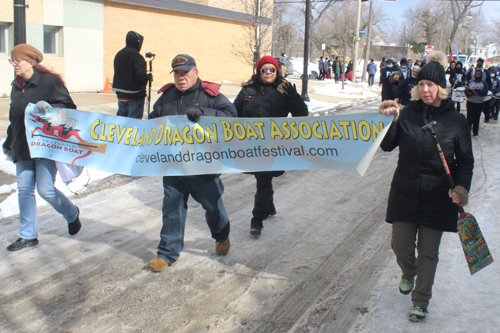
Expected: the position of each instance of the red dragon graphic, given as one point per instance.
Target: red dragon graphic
(62, 132)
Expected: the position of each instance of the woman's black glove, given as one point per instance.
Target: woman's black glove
(194, 114)
(290, 90)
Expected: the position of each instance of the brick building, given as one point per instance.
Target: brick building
(79, 38)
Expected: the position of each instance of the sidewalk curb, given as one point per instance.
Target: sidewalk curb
(345, 107)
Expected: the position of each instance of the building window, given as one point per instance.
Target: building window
(3, 38)
(51, 40)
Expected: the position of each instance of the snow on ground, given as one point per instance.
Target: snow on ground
(290, 276)
(298, 66)
(335, 89)
(10, 206)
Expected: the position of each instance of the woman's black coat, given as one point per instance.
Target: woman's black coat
(257, 100)
(419, 189)
(265, 101)
(40, 87)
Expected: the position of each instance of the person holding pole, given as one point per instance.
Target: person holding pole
(421, 205)
(131, 77)
(34, 83)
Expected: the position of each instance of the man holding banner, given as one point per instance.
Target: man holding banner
(190, 96)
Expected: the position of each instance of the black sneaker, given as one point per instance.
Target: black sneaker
(75, 226)
(256, 227)
(21, 243)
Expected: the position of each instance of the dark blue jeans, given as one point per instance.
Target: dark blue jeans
(207, 192)
(131, 109)
(371, 79)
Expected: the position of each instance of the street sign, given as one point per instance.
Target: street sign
(363, 31)
(429, 49)
(323, 46)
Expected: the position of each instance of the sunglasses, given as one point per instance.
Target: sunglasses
(265, 69)
(15, 62)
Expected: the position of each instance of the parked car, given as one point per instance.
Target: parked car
(288, 63)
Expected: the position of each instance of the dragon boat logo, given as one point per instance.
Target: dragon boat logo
(61, 128)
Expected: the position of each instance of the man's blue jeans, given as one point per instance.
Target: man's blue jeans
(371, 79)
(207, 192)
(39, 173)
(131, 109)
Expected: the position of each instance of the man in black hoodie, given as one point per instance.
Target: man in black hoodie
(131, 77)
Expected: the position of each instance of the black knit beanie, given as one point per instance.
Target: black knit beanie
(434, 69)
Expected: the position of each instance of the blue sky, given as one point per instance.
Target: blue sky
(490, 7)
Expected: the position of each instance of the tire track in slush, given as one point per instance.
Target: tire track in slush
(338, 265)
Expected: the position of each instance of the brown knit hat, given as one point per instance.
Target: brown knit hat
(27, 52)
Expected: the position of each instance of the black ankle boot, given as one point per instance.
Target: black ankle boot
(75, 226)
(256, 226)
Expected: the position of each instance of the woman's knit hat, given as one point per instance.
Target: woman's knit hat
(434, 69)
(27, 52)
(267, 60)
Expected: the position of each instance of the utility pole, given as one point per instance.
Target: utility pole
(305, 75)
(356, 44)
(19, 22)
(369, 40)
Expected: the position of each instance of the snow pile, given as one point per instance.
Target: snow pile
(10, 206)
(336, 90)
(317, 107)
(298, 66)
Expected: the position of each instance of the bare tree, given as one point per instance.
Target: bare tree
(257, 32)
(460, 10)
(494, 29)
(344, 31)
(284, 28)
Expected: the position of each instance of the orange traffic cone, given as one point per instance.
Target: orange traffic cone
(107, 87)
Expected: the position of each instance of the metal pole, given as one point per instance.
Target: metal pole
(305, 75)
(356, 44)
(19, 22)
(368, 41)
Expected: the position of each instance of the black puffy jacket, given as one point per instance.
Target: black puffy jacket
(385, 73)
(130, 79)
(264, 100)
(202, 95)
(40, 87)
(419, 189)
(404, 90)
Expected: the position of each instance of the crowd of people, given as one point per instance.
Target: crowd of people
(478, 86)
(334, 69)
(421, 206)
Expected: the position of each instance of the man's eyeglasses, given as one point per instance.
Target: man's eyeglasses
(15, 62)
(264, 70)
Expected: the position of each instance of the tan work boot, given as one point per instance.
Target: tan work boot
(222, 248)
(159, 265)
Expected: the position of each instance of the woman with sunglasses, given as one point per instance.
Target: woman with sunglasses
(34, 83)
(267, 95)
